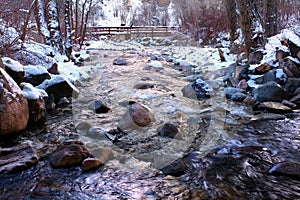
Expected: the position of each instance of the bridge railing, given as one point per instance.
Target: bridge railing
(138, 31)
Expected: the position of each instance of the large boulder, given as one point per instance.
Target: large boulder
(60, 87)
(35, 75)
(270, 91)
(14, 112)
(291, 66)
(14, 69)
(36, 104)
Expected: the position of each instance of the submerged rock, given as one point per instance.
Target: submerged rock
(91, 164)
(119, 61)
(17, 158)
(14, 112)
(99, 107)
(176, 168)
(274, 107)
(168, 130)
(289, 168)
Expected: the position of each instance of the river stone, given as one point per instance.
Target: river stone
(255, 57)
(230, 91)
(291, 85)
(99, 107)
(60, 87)
(238, 97)
(262, 68)
(168, 130)
(274, 107)
(91, 164)
(289, 104)
(154, 65)
(176, 168)
(69, 154)
(14, 112)
(268, 116)
(17, 158)
(243, 85)
(289, 168)
(296, 99)
(119, 61)
(140, 114)
(198, 90)
(143, 86)
(14, 69)
(291, 67)
(270, 91)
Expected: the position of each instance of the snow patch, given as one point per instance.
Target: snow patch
(31, 92)
(34, 70)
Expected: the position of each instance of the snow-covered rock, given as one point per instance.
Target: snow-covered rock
(14, 69)
(36, 103)
(14, 112)
(60, 87)
(35, 74)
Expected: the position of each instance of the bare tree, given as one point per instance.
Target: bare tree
(40, 15)
(231, 11)
(54, 27)
(270, 17)
(68, 39)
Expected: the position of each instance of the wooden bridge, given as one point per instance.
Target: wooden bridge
(130, 32)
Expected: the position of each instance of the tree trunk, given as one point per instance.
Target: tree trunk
(230, 6)
(41, 21)
(76, 19)
(270, 17)
(82, 20)
(68, 39)
(53, 26)
(83, 34)
(244, 7)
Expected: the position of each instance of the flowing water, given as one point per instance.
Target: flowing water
(228, 154)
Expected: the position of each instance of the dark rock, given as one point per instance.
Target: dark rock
(69, 154)
(14, 112)
(294, 48)
(176, 168)
(291, 67)
(267, 77)
(230, 72)
(255, 57)
(91, 164)
(143, 86)
(35, 75)
(280, 54)
(154, 57)
(238, 97)
(274, 107)
(249, 101)
(99, 107)
(168, 130)
(119, 61)
(184, 65)
(17, 158)
(37, 111)
(53, 69)
(291, 85)
(243, 85)
(221, 55)
(230, 91)
(270, 91)
(268, 116)
(60, 87)
(262, 68)
(296, 99)
(289, 104)
(198, 90)
(289, 168)
(14, 69)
